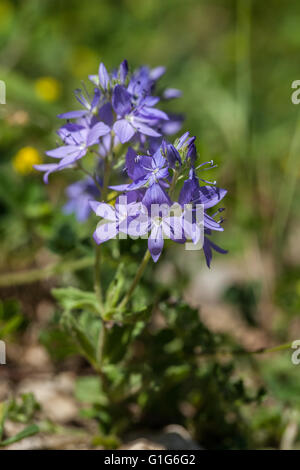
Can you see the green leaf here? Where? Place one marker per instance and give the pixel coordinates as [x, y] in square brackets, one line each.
[57, 342]
[84, 329]
[11, 319]
[88, 390]
[27, 432]
[115, 289]
[119, 339]
[24, 409]
[129, 317]
[70, 298]
[81, 319]
[3, 415]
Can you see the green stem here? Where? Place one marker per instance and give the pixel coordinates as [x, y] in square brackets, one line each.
[281, 347]
[97, 278]
[101, 340]
[173, 183]
[136, 280]
[39, 274]
[90, 175]
[97, 274]
[242, 352]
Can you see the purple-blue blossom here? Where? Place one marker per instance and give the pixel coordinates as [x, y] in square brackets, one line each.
[121, 107]
[151, 179]
[77, 141]
[115, 219]
[209, 196]
[121, 126]
[79, 195]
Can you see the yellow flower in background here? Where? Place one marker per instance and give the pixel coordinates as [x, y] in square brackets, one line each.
[24, 160]
[47, 88]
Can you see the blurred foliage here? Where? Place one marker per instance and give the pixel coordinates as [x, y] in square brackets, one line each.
[245, 297]
[21, 410]
[11, 318]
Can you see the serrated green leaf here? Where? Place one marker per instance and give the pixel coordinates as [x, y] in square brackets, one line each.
[70, 298]
[84, 328]
[115, 290]
[129, 317]
[88, 390]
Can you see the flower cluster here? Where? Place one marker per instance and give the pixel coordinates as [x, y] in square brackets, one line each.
[163, 193]
[151, 208]
[122, 108]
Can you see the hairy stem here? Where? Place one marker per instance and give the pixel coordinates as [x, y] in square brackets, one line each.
[137, 278]
[97, 277]
[242, 352]
[97, 274]
[101, 339]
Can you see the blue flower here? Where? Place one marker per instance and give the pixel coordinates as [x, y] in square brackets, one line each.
[115, 218]
[119, 109]
[90, 105]
[79, 195]
[209, 196]
[131, 118]
[150, 173]
[77, 141]
[123, 108]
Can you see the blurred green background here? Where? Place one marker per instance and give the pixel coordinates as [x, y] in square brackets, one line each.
[235, 61]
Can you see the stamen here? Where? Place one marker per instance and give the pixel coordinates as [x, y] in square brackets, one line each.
[211, 163]
[208, 182]
[82, 100]
[86, 91]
